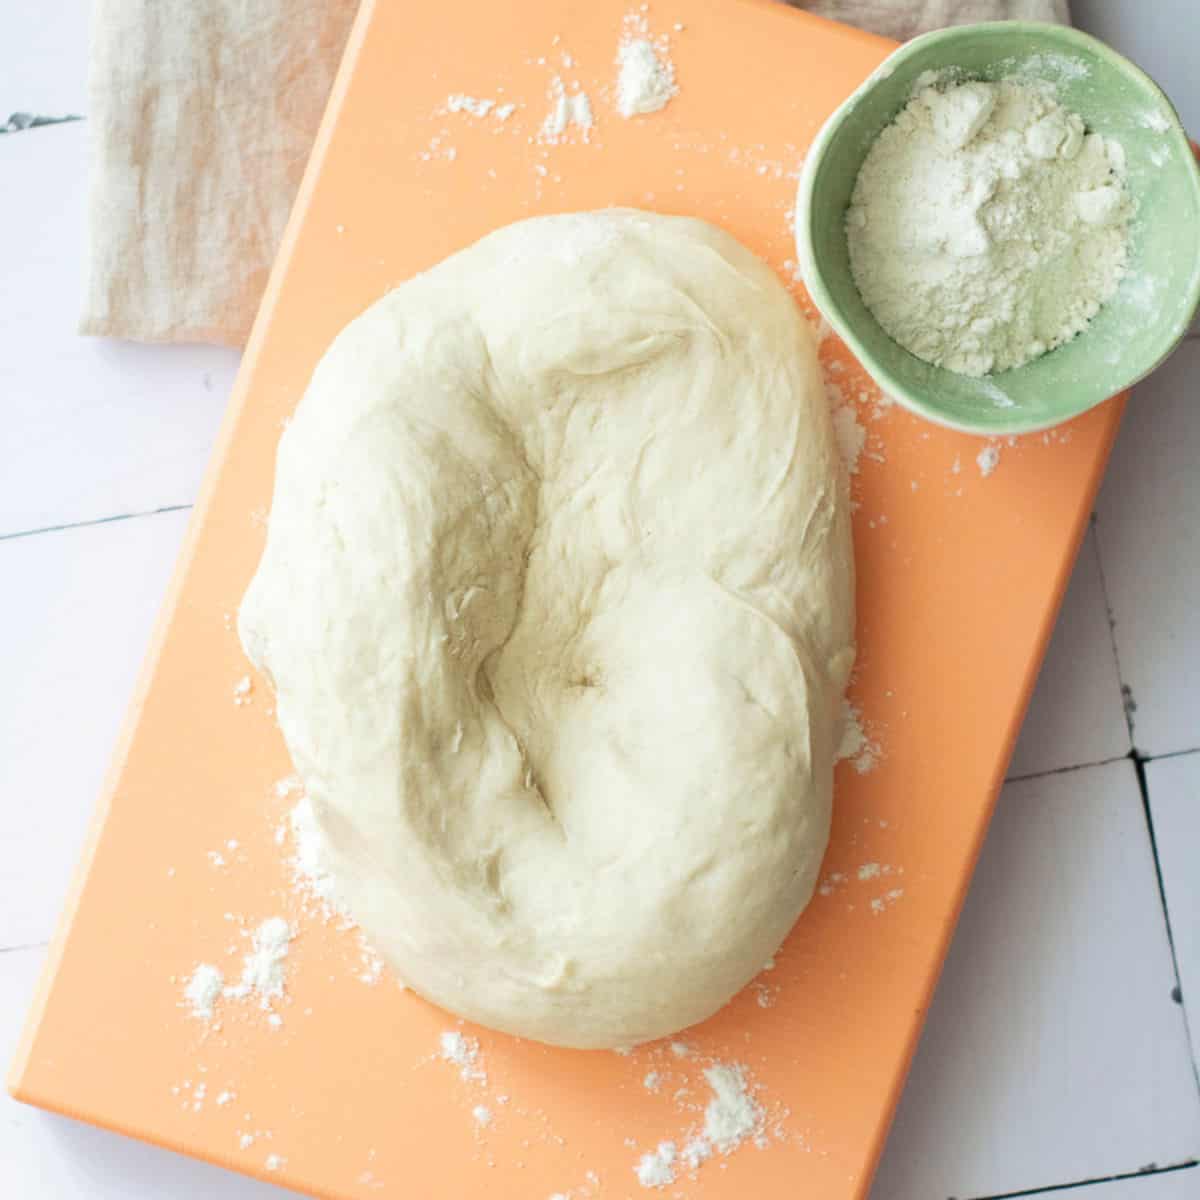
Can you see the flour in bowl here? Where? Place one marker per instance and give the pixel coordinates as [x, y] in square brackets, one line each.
[987, 226]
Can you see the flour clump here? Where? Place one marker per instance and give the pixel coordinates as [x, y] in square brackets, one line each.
[557, 601]
[987, 226]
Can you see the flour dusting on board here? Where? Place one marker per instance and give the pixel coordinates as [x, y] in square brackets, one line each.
[855, 744]
[313, 880]
[645, 82]
[731, 1116]
[463, 1052]
[263, 978]
[988, 459]
[568, 107]
[476, 106]
[203, 990]
[645, 71]
[657, 1169]
[264, 970]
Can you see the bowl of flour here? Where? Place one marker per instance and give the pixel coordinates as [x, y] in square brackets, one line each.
[1003, 223]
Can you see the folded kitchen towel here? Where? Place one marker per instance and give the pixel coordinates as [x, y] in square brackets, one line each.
[202, 113]
[902, 19]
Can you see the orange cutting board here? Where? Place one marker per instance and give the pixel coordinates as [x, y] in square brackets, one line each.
[959, 580]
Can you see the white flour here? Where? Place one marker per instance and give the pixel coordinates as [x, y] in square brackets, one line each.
[988, 459]
[854, 743]
[203, 990]
[463, 1052]
[645, 80]
[314, 883]
[732, 1114]
[986, 226]
[851, 436]
[310, 872]
[880, 903]
[657, 1168]
[566, 109]
[459, 102]
[264, 970]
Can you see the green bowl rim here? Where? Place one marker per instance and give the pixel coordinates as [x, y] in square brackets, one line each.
[815, 282]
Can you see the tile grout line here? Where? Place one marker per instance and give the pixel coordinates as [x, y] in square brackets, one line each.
[1139, 766]
[1067, 769]
[1128, 704]
[20, 122]
[130, 516]
[1139, 761]
[1190, 1165]
[23, 946]
[1169, 754]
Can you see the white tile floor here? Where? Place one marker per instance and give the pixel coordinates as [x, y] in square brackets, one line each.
[1056, 1051]
[1148, 527]
[1174, 788]
[1056, 1003]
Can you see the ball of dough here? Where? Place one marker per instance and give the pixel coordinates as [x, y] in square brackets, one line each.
[557, 599]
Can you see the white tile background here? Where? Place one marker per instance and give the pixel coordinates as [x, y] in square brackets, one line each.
[1056, 1051]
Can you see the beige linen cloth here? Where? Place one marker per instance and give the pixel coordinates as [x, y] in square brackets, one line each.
[202, 113]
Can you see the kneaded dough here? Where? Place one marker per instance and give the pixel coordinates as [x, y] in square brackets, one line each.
[557, 599]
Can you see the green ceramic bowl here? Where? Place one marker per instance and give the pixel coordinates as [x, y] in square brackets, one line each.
[1134, 331]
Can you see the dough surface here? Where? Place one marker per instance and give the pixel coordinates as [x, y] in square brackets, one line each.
[557, 599]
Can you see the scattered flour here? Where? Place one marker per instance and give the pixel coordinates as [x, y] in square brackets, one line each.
[732, 1114]
[645, 79]
[310, 871]
[203, 990]
[855, 744]
[372, 963]
[987, 226]
[566, 109]
[482, 1115]
[987, 460]
[264, 969]
[851, 436]
[290, 785]
[697, 1150]
[849, 432]
[242, 690]
[652, 1081]
[880, 903]
[463, 1052]
[462, 103]
[657, 1169]
[313, 880]
[437, 150]
[831, 881]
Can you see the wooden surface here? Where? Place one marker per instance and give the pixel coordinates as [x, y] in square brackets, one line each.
[1106, 1055]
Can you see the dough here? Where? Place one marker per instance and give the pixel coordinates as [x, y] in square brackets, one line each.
[557, 599]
